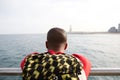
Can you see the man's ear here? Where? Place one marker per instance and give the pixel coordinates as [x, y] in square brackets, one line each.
[66, 45]
[46, 43]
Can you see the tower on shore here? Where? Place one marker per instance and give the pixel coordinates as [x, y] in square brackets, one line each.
[70, 29]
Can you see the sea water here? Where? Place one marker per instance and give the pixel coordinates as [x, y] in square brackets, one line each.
[103, 50]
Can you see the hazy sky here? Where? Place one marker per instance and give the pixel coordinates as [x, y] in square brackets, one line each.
[38, 16]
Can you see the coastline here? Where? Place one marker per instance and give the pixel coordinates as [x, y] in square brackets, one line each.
[92, 33]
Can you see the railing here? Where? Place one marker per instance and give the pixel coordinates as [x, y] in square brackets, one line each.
[94, 72]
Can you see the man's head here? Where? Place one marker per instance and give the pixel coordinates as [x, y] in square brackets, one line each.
[56, 39]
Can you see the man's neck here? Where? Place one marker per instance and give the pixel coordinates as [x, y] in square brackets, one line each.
[56, 51]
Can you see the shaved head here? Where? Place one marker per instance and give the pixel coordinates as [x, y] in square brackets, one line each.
[56, 37]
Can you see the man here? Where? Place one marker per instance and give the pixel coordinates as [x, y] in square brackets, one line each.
[55, 64]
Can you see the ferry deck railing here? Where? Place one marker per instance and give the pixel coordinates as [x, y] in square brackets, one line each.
[94, 72]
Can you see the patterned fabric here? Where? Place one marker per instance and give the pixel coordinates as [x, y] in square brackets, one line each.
[51, 67]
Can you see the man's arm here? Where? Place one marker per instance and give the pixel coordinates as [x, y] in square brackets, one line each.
[86, 63]
[24, 60]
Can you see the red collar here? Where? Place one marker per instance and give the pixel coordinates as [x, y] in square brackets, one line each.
[52, 52]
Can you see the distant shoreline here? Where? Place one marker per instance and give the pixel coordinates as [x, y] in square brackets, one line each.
[92, 33]
[67, 33]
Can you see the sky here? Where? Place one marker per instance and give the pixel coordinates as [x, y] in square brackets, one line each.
[38, 16]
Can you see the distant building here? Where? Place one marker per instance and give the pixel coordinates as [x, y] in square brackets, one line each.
[118, 28]
[112, 29]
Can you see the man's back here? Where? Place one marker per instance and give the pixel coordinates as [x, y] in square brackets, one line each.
[49, 67]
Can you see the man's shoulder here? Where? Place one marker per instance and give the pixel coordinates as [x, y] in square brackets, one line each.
[31, 54]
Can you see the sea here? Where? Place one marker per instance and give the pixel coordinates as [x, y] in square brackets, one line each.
[103, 50]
